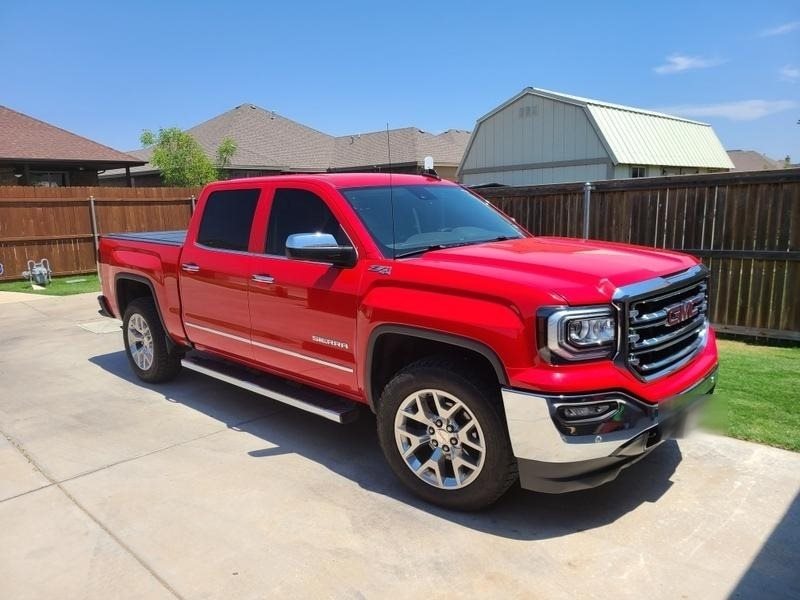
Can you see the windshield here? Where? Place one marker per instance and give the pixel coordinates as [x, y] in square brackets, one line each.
[427, 217]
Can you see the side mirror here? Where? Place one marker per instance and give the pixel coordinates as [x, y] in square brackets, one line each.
[320, 247]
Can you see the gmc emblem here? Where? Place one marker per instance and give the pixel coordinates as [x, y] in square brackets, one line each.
[678, 313]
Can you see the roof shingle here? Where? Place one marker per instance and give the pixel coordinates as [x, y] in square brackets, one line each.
[25, 138]
[750, 160]
[408, 145]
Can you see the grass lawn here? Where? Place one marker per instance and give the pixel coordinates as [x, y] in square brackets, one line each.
[758, 394]
[58, 287]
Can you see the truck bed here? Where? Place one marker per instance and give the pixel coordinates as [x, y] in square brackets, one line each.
[173, 238]
[152, 257]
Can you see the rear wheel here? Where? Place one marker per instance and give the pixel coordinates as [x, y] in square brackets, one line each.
[442, 432]
[150, 356]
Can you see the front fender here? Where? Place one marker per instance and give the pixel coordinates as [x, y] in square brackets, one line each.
[493, 327]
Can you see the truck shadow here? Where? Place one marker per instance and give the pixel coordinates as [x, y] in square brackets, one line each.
[773, 572]
[352, 451]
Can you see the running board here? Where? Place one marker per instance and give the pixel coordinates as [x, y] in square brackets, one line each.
[300, 396]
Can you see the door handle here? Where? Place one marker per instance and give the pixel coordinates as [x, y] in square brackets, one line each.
[190, 267]
[264, 278]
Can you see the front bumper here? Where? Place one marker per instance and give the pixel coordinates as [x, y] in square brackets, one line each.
[556, 455]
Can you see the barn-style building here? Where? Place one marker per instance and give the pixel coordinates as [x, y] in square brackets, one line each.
[539, 137]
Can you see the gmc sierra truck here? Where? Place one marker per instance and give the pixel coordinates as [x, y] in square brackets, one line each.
[487, 354]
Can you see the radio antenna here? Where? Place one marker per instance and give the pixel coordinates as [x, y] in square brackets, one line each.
[391, 195]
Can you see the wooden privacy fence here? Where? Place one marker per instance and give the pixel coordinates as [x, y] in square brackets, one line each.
[744, 226]
[60, 224]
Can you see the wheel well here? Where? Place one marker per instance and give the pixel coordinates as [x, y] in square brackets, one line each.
[129, 290]
[390, 352]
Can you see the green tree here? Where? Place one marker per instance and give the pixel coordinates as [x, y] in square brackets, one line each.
[181, 160]
[225, 153]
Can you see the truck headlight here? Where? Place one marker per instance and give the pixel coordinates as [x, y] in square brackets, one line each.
[579, 333]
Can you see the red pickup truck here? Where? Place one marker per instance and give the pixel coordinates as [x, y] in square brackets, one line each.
[487, 354]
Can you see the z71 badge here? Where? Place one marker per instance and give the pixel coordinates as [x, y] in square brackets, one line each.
[382, 269]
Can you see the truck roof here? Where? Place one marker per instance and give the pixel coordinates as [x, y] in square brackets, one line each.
[345, 180]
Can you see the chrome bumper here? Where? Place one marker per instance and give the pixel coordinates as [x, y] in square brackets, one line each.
[539, 435]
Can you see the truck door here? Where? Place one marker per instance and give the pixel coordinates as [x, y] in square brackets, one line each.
[303, 313]
[215, 272]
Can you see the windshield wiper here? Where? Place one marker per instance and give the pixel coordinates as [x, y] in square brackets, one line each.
[432, 247]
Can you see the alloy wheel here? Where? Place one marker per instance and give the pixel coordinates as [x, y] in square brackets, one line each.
[439, 439]
[140, 342]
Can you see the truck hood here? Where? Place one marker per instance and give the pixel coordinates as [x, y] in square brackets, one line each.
[579, 271]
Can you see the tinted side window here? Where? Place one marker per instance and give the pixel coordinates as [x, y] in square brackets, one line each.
[299, 211]
[227, 219]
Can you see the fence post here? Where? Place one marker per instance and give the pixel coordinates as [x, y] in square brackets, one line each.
[95, 234]
[192, 201]
[587, 197]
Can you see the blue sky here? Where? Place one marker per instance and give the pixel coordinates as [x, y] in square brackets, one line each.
[107, 70]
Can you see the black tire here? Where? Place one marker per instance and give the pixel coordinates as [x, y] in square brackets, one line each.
[482, 399]
[166, 361]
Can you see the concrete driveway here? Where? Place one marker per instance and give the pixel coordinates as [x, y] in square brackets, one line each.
[114, 489]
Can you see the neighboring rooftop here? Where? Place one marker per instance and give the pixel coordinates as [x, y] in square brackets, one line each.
[750, 160]
[27, 140]
[268, 141]
[265, 140]
[408, 145]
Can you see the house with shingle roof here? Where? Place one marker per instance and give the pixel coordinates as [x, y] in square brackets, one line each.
[33, 152]
[408, 147]
[270, 144]
[750, 160]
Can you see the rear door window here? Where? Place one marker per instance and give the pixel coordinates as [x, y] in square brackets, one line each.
[227, 219]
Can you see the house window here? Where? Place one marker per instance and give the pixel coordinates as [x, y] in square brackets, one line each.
[638, 172]
[49, 178]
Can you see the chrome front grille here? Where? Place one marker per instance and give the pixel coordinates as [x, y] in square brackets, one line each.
[665, 322]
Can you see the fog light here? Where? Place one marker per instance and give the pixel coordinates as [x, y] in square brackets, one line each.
[587, 411]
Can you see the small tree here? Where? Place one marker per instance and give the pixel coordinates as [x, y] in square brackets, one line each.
[181, 160]
[225, 152]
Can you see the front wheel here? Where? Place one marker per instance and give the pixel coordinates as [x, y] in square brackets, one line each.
[150, 356]
[443, 434]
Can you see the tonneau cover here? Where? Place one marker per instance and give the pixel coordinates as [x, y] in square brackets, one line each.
[173, 238]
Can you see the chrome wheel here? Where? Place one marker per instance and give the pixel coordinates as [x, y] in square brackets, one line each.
[140, 342]
[439, 439]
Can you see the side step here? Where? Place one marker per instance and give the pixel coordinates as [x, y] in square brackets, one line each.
[300, 396]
